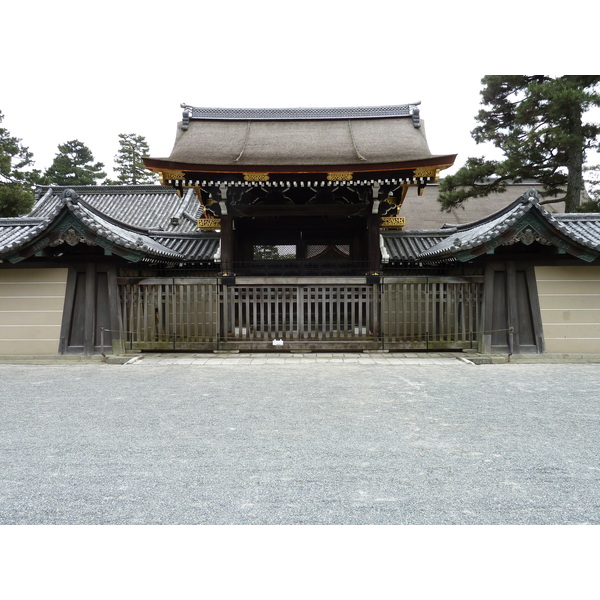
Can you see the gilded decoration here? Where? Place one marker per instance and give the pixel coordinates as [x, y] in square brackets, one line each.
[427, 172]
[256, 177]
[393, 222]
[339, 176]
[209, 223]
[166, 175]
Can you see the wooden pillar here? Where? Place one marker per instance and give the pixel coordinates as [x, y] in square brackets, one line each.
[117, 336]
[373, 249]
[226, 244]
[90, 309]
[487, 306]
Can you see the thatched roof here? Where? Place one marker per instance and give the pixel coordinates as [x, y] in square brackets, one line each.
[352, 137]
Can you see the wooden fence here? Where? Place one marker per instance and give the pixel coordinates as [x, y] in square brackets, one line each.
[431, 313]
[419, 313]
[170, 313]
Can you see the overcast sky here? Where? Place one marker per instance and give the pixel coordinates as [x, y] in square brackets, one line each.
[73, 70]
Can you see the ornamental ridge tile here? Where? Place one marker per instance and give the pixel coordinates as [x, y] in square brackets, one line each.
[280, 114]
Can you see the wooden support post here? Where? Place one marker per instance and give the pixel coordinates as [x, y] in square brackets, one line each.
[226, 243]
[89, 339]
[536, 313]
[512, 302]
[487, 306]
[373, 249]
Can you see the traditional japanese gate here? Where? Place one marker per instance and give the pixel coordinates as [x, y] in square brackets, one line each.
[305, 314]
[418, 313]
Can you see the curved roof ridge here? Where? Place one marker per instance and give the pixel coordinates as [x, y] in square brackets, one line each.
[92, 209]
[530, 197]
[488, 231]
[104, 189]
[138, 239]
[42, 199]
[299, 113]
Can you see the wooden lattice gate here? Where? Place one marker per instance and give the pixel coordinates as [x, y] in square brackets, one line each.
[307, 315]
[418, 313]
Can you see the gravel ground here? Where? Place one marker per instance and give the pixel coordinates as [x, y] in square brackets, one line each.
[300, 444]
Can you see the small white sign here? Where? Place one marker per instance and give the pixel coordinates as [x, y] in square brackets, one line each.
[277, 342]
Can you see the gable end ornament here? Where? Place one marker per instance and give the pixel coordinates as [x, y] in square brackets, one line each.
[527, 236]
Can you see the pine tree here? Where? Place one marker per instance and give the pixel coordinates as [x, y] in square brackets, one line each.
[129, 165]
[538, 123]
[592, 181]
[74, 165]
[17, 178]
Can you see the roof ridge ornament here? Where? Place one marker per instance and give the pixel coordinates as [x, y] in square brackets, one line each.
[531, 196]
[191, 113]
[69, 196]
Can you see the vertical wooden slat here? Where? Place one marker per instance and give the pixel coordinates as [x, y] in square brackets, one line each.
[425, 310]
[300, 312]
[369, 329]
[130, 311]
[450, 323]
[310, 312]
[275, 295]
[197, 313]
[142, 312]
[323, 322]
[372, 308]
[350, 309]
[242, 294]
[262, 313]
[288, 317]
[160, 301]
[395, 310]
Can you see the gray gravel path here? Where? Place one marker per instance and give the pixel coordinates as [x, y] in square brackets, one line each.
[312, 443]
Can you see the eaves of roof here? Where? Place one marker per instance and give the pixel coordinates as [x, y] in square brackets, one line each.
[143, 206]
[134, 243]
[409, 246]
[465, 242]
[299, 140]
[72, 212]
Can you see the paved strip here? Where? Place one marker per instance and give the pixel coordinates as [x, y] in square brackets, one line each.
[167, 359]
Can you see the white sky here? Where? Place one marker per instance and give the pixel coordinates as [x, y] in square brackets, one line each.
[73, 70]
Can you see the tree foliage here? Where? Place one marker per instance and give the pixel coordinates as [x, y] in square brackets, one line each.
[591, 176]
[16, 175]
[74, 165]
[129, 165]
[538, 123]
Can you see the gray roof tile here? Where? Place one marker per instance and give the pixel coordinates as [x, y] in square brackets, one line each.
[149, 207]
